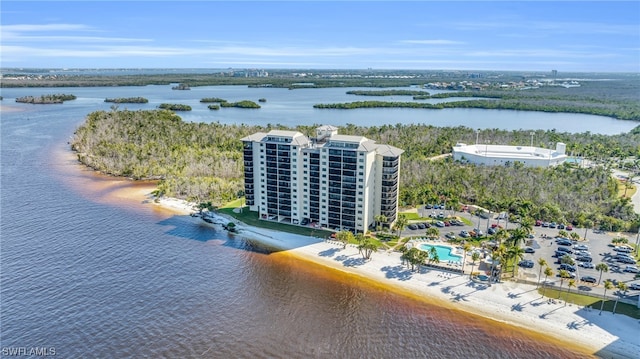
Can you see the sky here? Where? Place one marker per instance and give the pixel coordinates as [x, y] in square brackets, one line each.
[572, 36]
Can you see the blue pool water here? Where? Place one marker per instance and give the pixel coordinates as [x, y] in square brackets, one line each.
[444, 252]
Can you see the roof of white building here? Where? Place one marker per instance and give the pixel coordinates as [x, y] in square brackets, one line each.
[502, 151]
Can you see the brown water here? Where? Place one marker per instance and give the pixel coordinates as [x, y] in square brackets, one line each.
[91, 269]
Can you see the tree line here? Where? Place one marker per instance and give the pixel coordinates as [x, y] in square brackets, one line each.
[203, 162]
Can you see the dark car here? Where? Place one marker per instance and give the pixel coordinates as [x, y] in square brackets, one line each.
[588, 279]
[564, 243]
[412, 226]
[564, 249]
[491, 230]
[304, 221]
[567, 267]
[529, 250]
[527, 263]
[421, 225]
[584, 259]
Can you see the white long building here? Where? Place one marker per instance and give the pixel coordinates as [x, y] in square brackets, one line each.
[335, 181]
[499, 155]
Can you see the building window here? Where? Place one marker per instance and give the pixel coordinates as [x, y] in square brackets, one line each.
[361, 160]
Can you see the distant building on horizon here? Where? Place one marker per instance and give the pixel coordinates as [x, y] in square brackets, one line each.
[499, 155]
[333, 181]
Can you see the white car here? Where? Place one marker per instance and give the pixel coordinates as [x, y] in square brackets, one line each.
[631, 269]
[586, 265]
[634, 286]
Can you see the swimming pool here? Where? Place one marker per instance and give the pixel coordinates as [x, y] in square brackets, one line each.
[444, 252]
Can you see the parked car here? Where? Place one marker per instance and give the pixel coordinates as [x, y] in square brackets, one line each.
[567, 267]
[583, 254]
[569, 228]
[304, 221]
[538, 223]
[588, 265]
[440, 224]
[421, 226]
[529, 250]
[553, 225]
[564, 242]
[627, 260]
[564, 249]
[561, 226]
[491, 230]
[451, 236]
[623, 249]
[464, 234]
[413, 226]
[631, 269]
[588, 279]
[581, 247]
[634, 286]
[584, 259]
[527, 263]
[569, 275]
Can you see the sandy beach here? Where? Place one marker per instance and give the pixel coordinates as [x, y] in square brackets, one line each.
[606, 335]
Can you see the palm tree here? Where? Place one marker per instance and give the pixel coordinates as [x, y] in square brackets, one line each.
[571, 283]
[607, 286]
[515, 253]
[465, 249]
[563, 275]
[432, 254]
[541, 262]
[345, 237]
[433, 233]
[517, 235]
[526, 224]
[501, 234]
[401, 222]
[601, 267]
[622, 290]
[575, 236]
[474, 257]
[547, 272]
[366, 247]
[380, 218]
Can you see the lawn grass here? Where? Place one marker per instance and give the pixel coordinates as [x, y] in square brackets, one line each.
[412, 216]
[251, 218]
[582, 300]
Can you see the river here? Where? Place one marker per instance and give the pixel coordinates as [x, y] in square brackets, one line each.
[90, 269]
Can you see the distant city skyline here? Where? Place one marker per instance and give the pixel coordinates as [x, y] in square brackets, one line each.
[568, 36]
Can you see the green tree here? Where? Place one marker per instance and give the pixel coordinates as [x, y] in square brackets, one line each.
[622, 290]
[401, 222]
[515, 253]
[367, 247]
[474, 258]
[570, 284]
[433, 233]
[563, 275]
[547, 272]
[541, 262]
[608, 285]
[465, 248]
[345, 237]
[380, 219]
[601, 267]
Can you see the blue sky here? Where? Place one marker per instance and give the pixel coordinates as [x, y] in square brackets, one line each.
[478, 35]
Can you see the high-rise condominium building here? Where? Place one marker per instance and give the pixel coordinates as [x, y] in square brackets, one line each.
[333, 181]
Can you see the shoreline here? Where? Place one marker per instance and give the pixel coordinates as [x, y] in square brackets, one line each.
[515, 304]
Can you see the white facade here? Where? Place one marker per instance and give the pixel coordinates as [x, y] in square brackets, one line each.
[498, 155]
[333, 180]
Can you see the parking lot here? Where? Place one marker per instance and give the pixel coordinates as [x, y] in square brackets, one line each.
[544, 245]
